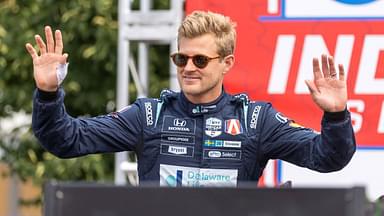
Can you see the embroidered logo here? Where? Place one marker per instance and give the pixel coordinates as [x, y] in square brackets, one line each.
[233, 127]
[255, 116]
[148, 113]
[213, 127]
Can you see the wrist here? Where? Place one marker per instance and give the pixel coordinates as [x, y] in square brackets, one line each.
[47, 88]
[47, 95]
[336, 116]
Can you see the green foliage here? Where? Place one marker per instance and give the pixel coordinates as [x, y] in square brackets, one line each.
[89, 32]
[89, 29]
[28, 161]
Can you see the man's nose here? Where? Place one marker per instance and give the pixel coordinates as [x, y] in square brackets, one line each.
[190, 66]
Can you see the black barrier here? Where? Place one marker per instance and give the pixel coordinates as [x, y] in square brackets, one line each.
[80, 199]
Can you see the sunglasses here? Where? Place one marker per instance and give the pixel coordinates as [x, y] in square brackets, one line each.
[200, 61]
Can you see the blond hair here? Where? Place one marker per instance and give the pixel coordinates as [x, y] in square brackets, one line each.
[222, 27]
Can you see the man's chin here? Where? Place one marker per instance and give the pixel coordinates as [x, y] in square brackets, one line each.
[190, 86]
[191, 90]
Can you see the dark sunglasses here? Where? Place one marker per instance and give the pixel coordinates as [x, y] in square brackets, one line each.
[200, 61]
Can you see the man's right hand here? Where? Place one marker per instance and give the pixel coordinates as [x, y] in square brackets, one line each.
[46, 64]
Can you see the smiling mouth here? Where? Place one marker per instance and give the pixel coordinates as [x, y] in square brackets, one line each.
[190, 78]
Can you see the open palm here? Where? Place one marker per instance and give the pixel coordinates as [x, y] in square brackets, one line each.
[328, 90]
[45, 64]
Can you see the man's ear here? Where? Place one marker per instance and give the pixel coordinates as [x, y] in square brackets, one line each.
[229, 61]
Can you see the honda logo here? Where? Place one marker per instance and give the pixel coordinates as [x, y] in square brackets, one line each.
[179, 122]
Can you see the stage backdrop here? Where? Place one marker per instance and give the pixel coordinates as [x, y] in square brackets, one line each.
[276, 42]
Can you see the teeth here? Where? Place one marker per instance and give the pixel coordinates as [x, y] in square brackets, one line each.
[188, 77]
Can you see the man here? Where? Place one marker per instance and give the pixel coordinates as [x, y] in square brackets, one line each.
[201, 136]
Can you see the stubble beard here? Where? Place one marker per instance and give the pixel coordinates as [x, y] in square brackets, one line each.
[199, 92]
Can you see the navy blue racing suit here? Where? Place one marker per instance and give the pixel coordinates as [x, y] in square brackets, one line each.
[179, 143]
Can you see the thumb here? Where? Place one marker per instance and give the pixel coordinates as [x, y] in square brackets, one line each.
[311, 86]
[63, 58]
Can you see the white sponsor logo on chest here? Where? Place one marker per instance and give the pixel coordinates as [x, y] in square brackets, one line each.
[173, 176]
[177, 150]
[213, 127]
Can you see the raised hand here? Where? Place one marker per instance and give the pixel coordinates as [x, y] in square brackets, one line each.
[328, 90]
[46, 64]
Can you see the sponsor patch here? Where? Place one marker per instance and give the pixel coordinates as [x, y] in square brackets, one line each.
[213, 127]
[148, 113]
[179, 125]
[176, 150]
[222, 143]
[232, 144]
[254, 117]
[233, 127]
[222, 154]
[180, 139]
[213, 143]
[214, 154]
[203, 109]
[174, 176]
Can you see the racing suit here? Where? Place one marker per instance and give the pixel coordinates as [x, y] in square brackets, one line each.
[179, 143]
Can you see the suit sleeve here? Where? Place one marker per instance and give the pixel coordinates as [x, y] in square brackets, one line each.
[67, 137]
[330, 150]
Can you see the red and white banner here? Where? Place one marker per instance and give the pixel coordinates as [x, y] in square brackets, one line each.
[277, 40]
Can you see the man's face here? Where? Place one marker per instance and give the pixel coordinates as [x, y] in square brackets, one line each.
[202, 85]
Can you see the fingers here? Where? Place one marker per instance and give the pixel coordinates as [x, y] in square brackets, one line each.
[316, 69]
[341, 72]
[59, 42]
[31, 50]
[332, 70]
[52, 46]
[328, 68]
[40, 43]
[49, 38]
[324, 65]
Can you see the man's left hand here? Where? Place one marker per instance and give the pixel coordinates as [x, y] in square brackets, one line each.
[328, 89]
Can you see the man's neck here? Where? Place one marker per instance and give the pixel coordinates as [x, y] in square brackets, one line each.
[204, 99]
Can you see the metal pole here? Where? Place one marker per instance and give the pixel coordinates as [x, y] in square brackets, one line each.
[122, 81]
[145, 7]
[177, 6]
